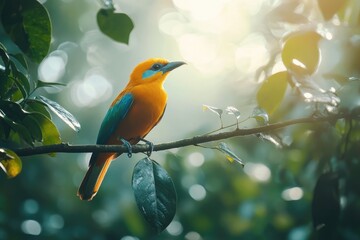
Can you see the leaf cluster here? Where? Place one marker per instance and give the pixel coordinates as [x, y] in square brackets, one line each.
[24, 119]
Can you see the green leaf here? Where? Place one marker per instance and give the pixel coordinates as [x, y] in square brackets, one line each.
[10, 162]
[61, 112]
[13, 115]
[230, 155]
[28, 24]
[21, 81]
[40, 84]
[35, 106]
[50, 134]
[301, 53]
[272, 92]
[32, 125]
[155, 193]
[117, 26]
[21, 59]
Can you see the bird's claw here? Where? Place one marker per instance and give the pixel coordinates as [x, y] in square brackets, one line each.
[128, 147]
[151, 146]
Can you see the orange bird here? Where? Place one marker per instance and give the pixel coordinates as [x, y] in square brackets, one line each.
[131, 116]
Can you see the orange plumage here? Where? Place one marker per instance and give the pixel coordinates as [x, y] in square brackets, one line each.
[131, 116]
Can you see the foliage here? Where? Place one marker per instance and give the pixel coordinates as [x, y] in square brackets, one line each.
[242, 202]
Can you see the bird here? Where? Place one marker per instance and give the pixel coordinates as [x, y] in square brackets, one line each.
[136, 110]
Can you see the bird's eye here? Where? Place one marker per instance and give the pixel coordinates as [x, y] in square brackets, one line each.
[156, 66]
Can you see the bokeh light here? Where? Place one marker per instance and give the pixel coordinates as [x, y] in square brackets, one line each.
[292, 194]
[31, 227]
[52, 68]
[258, 171]
[197, 192]
[175, 228]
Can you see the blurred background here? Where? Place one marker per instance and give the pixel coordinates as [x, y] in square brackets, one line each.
[225, 43]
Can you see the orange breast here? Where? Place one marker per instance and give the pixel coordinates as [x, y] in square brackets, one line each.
[147, 109]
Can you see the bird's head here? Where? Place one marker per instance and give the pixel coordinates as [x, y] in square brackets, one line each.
[152, 70]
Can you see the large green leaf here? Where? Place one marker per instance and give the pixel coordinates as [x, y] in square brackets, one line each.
[50, 134]
[28, 24]
[301, 53]
[155, 193]
[117, 26]
[272, 92]
[10, 162]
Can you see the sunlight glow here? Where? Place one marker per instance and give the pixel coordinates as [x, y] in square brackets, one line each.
[292, 194]
[197, 48]
[52, 68]
[251, 54]
[94, 89]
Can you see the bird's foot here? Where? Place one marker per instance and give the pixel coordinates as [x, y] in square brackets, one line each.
[151, 146]
[128, 147]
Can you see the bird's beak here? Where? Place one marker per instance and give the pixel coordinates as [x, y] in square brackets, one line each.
[171, 66]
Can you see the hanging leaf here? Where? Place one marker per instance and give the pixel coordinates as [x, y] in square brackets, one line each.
[326, 205]
[117, 26]
[28, 24]
[301, 52]
[61, 112]
[155, 193]
[10, 162]
[272, 92]
[230, 155]
[215, 110]
[261, 117]
[233, 111]
[272, 138]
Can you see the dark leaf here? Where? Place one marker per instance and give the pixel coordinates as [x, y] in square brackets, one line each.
[326, 205]
[155, 193]
[20, 58]
[61, 112]
[36, 106]
[28, 24]
[32, 125]
[20, 80]
[117, 26]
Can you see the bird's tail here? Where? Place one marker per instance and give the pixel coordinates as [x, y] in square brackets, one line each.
[95, 175]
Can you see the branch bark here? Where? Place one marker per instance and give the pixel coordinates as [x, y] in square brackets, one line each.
[65, 147]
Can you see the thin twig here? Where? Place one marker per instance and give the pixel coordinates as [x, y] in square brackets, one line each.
[65, 147]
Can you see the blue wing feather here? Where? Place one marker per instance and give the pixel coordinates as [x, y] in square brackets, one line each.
[113, 117]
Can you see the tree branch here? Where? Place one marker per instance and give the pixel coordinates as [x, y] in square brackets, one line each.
[65, 147]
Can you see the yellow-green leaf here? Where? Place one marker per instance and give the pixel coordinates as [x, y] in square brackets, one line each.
[272, 92]
[301, 52]
[10, 162]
